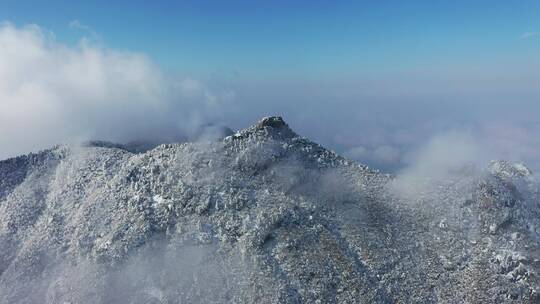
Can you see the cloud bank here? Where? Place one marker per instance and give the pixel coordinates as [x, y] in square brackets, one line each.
[52, 93]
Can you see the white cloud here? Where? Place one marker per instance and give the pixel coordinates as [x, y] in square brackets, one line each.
[52, 93]
[444, 154]
[78, 25]
[528, 35]
[438, 160]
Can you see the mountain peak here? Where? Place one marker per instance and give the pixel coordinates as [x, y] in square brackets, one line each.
[273, 126]
[272, 121]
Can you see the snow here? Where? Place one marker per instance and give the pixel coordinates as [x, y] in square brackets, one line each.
[267, 216]
[158, 199]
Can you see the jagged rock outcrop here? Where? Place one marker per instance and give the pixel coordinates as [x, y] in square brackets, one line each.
[261, 216]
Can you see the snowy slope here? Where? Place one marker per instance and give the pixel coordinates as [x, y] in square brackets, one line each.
[261, 216]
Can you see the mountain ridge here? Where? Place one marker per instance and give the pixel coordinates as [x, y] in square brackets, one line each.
[262, 215]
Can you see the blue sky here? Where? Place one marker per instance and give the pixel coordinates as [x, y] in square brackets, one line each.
[298, 38]
[374, 80]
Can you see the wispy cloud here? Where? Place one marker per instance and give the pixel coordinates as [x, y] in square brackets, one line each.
[528, 35]
[87, 30]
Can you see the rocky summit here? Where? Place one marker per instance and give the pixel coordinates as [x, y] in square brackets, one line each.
[260, 216]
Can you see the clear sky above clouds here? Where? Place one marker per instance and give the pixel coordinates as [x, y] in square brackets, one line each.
[299, 38]
[375, 80]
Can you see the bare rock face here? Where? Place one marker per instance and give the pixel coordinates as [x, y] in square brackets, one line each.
[260, 216]
[273, 122]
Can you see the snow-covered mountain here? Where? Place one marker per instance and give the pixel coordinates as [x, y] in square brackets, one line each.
[260, 216]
